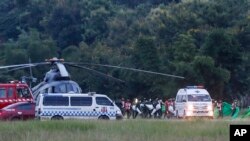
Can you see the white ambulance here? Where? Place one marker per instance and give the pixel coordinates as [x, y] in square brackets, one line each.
[193, 101]
[76, 106]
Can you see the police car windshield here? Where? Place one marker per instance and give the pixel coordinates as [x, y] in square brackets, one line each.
[199, 98]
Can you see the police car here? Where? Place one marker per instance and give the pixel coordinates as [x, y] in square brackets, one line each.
[76, 106]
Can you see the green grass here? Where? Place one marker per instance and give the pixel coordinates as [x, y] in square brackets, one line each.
[125, 130]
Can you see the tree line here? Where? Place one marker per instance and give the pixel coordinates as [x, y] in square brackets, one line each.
[205, 41]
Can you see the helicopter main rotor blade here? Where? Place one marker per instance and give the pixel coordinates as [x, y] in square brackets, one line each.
[13, 66]
[17, 68]
[97, 72]
[23, 65]
[127, 68]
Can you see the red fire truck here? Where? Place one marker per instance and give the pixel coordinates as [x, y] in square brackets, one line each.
[14, 92]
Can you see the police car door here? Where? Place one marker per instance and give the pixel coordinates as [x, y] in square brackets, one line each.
[104, 107]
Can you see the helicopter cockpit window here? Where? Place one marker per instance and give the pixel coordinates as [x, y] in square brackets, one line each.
[71, 88]
[64, 88]
[59, 88]
[2, 93]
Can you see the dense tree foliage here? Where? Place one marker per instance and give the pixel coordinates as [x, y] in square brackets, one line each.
[205, 41]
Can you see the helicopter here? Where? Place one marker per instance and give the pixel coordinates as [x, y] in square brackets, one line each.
[57, 79]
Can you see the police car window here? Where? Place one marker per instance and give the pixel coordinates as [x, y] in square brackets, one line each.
[10, 93]
[103, 101]
[55, 101]
[2, 93]
[24, 107]
[81, 101]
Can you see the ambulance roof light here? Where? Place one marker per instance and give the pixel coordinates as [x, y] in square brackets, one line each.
[195, 87]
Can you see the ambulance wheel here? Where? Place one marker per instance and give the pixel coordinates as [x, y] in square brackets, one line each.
[184, 115]
[57, 118]
[177, 114]
[103, 117]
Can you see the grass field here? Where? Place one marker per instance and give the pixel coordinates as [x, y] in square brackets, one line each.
[125, 130]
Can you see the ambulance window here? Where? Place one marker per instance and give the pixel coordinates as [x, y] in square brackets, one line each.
[179, 98]
[2, 93]
[103, 101]
[55, 101]
[184, 98]
[10, 93]
[81, 101]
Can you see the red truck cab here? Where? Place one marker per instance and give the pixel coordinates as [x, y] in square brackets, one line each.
[14, 92]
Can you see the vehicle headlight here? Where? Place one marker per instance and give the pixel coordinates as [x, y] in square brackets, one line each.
[190, 107]
[209, 107]
[118, 112]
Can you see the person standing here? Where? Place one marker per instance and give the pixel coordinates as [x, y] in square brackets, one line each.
[166, 107]
[128, 108]
[123, 106]
[219, 106]
[234, 105]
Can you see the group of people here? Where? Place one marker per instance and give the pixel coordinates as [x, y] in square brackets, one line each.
[158, 108]
[147, 108]
[219, 106]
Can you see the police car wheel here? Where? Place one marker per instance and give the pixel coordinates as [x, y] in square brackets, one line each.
[57, 118]
[103, 117]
